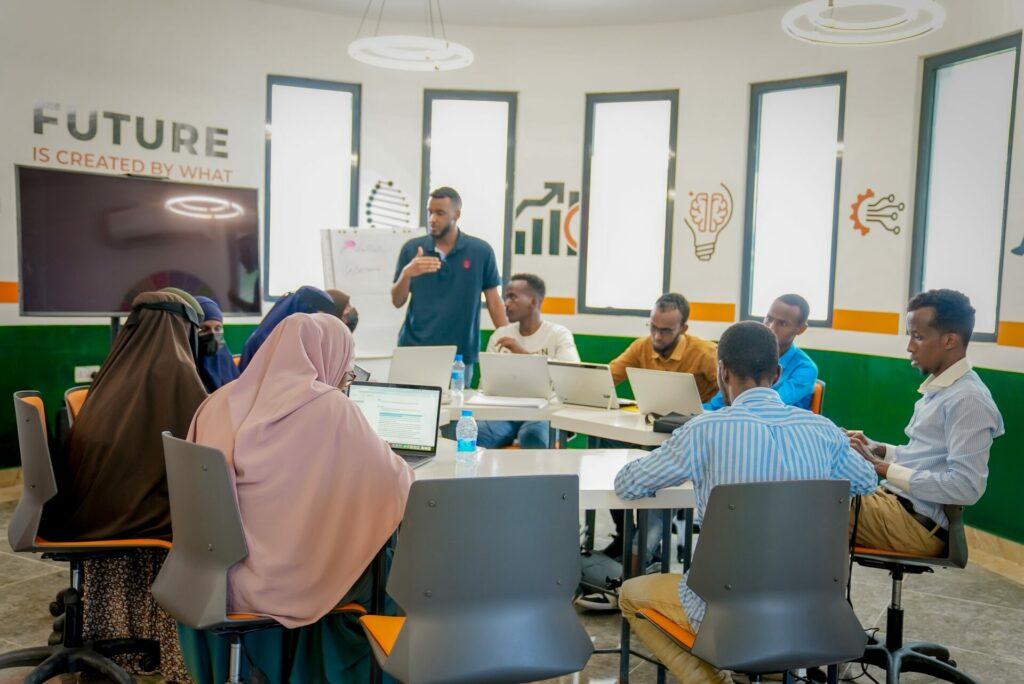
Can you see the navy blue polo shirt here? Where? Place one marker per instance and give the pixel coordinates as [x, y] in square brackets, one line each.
[444, 307]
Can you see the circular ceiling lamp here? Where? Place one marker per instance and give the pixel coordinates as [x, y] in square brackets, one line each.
[428, 52]
[862, 22]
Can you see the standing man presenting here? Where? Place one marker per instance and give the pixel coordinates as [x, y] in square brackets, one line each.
[445, 272]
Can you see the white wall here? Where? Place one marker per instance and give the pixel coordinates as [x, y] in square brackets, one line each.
[206, 63]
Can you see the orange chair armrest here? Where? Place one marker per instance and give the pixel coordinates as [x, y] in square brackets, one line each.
[673, 630]
[43, 544]
[868, 551]
[383, 629]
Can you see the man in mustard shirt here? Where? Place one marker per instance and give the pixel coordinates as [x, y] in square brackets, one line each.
[667, 348]
[670, 348]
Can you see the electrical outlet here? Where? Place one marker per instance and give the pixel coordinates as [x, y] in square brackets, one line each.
[84, 374]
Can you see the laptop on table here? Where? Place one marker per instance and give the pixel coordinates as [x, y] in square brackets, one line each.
[515, 375]
[405, 416]
[585, 384]
[426, 366]
[660, 393]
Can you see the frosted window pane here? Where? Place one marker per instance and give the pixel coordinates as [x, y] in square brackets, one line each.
[469, 152]
[310, 180]
[967, 184]
[628, 200]
[795, 195]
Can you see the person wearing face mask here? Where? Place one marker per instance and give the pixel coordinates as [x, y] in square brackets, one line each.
[344, 310]
[216, 365]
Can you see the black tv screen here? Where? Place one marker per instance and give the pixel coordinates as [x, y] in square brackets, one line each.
[90, 243]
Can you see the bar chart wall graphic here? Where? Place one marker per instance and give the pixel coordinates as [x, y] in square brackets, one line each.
[543, 224]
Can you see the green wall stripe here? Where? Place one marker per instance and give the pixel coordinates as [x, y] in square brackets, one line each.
[873, 393]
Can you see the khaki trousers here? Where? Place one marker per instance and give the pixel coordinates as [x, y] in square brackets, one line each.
[661, 592]
[885, 524]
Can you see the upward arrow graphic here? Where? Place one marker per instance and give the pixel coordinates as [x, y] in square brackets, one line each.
[555, 190]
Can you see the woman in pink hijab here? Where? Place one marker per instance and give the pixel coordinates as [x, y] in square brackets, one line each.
[319, 493]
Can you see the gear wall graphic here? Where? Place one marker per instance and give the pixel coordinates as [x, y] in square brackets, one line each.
[885, 212]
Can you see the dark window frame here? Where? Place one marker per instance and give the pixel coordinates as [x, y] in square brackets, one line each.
[922, 188]
[757, 90]
[592, 100]
[314, 84]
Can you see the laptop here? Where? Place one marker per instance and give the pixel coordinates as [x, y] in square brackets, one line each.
[664, 392]
[584, 384]
[426, 366]
[405, 416]
[515, 375]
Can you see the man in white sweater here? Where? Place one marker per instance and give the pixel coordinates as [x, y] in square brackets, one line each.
[526, 333]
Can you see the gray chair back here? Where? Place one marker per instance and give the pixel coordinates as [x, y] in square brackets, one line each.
[772, 563]
[485, 569]
[208, 537]
[39, 483]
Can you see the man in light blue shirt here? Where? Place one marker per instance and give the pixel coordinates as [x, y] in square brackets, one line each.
[756, 438]
[950, 434]
[787, 318]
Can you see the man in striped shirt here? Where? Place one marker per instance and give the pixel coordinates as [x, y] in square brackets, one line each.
[950, 433]
[755, 438]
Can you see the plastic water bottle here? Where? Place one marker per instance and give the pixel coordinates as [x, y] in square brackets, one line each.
[458, 382]
[465, 433]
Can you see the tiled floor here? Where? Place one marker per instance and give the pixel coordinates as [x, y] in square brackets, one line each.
[977, 613]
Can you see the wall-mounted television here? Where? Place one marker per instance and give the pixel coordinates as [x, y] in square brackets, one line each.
[89, 243]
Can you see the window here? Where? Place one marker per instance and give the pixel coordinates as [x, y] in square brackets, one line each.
[629, 169]
[312, 176]
[469, 143]
[792, 209]
[963, 174]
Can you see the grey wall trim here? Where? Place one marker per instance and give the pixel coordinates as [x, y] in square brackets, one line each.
[508, 97]
[753, 147]
[932, 65]
[356, 90]
[593, 99]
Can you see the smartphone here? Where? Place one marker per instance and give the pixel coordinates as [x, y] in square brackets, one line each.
[432, 253]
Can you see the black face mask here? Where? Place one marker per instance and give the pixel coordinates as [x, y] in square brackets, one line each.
[210, 343]
[351, 319]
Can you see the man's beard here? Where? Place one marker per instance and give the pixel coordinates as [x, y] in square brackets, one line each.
[444, 232]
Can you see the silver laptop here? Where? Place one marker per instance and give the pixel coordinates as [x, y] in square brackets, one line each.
[428, 366]
[584, 384]
[664, 392]
[515, 375]
[405, 416]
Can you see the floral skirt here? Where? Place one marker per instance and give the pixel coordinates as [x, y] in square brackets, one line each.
[119, 605]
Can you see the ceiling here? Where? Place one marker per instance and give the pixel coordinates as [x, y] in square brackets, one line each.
[540, 13]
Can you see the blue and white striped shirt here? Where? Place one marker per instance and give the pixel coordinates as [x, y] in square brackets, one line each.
[757, 439]
[951, 432]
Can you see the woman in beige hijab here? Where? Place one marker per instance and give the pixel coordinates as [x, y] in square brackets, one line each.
[319, 492]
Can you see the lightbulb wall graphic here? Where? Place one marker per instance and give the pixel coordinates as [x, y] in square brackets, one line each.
[387, 207]
[708, 215]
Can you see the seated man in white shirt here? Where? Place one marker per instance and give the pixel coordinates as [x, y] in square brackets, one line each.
[950, 433]
[526, 334]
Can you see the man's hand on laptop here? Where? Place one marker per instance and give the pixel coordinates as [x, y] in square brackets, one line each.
[872, 451]
[509, 344]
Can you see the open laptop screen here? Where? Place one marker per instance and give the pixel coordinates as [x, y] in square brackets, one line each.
[405, 416]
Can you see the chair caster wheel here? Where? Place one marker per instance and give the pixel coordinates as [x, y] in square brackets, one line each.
[55, 639]
[951, 662]
[56, 608]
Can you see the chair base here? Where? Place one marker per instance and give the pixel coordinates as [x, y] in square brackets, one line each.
[92, 657]
[922, 656]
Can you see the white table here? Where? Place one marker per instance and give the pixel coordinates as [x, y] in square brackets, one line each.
[624, 426]
[450, 413]
[596, 469]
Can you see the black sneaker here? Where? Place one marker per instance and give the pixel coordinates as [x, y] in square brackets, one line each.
[614, 549]
[598, 601]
